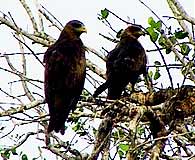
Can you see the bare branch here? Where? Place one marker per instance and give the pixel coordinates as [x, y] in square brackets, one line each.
[29, 12]
[21, 108]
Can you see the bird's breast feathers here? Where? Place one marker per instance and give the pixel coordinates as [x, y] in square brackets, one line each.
[66, 64]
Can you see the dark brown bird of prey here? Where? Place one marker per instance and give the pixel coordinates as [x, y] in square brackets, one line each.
[65, 70]
[124, 64]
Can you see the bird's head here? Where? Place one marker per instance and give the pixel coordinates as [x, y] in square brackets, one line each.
[134, 31]
[75, 28]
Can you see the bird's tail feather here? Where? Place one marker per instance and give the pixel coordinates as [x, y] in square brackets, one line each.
[59, 113]
[56, 123]
[101, 88]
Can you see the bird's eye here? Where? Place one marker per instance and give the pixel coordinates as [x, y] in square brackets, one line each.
[76, 25]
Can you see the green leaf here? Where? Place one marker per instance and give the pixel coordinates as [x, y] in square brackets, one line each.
[124, 147]
[76, 127]
[85, 93]
[157, 63]
[168, 50]
[120, 153]
[151, 22]
[150, 74]
[24, 157]
[94, 130]
[14, 151]
[173, 39]
[158, 26]
[6, 154]
[140, 130]
[157, 74]
[181, 34]
[162, 41]
[153, 34]
[21, 153]
[193, 70]
[185, 49]
[104, 13]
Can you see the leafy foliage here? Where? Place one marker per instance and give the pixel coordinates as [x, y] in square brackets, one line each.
[104, 13]
[180, 34]
[24, 157]
[154, 29]
[185, 49]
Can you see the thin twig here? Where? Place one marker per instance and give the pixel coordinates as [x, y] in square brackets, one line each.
[52, 16]
[153, 13]
[108, 38]
[50, 20]
[168, 72]
[2, 55]
[118, 17]
[33, 53]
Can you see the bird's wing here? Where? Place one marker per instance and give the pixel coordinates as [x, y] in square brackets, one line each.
[129, 56]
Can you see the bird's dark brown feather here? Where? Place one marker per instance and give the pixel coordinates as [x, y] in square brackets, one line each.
[64, 77]
[124, 64]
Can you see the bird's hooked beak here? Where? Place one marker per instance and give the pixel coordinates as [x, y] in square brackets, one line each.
[82, 29]
[141, 33]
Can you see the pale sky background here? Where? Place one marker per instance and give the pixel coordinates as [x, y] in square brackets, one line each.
[85, 11]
